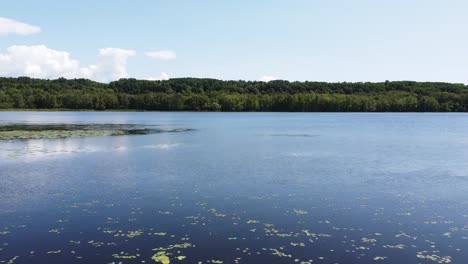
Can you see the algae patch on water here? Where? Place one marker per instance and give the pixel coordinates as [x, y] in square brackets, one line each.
[161, 257]
[53, 131]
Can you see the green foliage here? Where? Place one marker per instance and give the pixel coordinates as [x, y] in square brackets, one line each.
[190, 94]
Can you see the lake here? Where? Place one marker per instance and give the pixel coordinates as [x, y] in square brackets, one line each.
[238, 188]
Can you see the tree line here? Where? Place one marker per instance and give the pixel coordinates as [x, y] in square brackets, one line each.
[192, 94]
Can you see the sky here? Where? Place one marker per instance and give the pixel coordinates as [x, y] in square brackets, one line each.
[296, 40]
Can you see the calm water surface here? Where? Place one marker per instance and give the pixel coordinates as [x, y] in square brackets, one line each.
[241, 188]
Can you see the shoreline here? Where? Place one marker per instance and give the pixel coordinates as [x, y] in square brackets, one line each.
[188, 111]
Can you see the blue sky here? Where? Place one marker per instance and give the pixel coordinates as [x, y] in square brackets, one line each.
[321, 40]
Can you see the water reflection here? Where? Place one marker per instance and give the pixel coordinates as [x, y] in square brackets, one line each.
[361, 192]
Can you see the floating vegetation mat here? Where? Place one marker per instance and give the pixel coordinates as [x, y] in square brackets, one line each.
[27, 131]
[195, 228]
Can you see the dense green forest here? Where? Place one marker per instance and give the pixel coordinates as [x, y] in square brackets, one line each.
[191, 94]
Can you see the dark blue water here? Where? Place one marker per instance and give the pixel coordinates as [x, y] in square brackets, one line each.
[241, 188]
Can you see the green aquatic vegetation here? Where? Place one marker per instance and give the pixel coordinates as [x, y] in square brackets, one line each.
[300, 212]
[124, 255]
[362, 248]
[12, 261]
[100, 244]
[314, 235]
[165, 212]
[51, 134]
[158, 234]
[405, 214]
[434, 257]
[170, 247]
[161, 257]
[297, 244]
[96, 244]
[132, 234]
[403, 234]
[379, 258]
[54, 252]
[368, 240]
[214, 212]
[290, 248]
[278, 253]
[56, 231]
[34, 131]
[216, 261]
[284, 235]
[271, 232]
[399, 246]
[109, 231]
[4, 233]
[183, 245]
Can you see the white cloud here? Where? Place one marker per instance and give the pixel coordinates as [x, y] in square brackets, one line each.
[112, 64]
[162, 54]
[43, 62]
[10, 26]
[37, 61]
[267, 78]
[162, 77]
